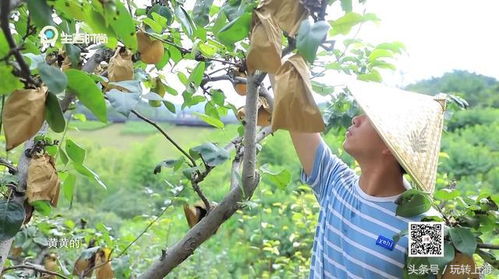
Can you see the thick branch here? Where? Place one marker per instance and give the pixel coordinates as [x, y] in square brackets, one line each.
[210, 223]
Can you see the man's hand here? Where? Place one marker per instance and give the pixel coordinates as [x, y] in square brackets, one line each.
[305, 145]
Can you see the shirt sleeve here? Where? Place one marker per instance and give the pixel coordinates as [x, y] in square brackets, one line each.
[326, 170]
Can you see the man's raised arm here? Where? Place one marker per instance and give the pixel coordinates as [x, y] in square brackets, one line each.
[305, 145]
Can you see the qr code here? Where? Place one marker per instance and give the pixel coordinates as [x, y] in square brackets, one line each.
[426, 239]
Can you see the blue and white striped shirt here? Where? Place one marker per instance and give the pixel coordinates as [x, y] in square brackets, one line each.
[350, 223]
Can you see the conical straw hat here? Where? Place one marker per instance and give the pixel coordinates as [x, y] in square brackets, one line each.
[409, 123]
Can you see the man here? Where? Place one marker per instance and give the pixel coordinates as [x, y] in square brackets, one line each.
[399, 131]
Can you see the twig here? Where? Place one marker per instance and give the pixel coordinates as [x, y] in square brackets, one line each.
[33, 267]
[487, 246]
[12, 169]
[4, 22]
[322, 13]
[193, 163]
[202, 196]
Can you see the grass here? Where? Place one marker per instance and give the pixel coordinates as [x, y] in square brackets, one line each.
[88, 125]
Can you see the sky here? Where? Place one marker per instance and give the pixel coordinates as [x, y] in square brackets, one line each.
[440, 35]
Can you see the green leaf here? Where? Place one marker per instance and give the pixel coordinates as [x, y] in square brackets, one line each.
[74, 54]
[34, 60]
[183, 78]
[175, 53]
[63, 156]
[40, 13]
[344, 24]
[321, 88]
[377, 53]
[68, 187]
[396, 237]
[449, 254]
[212, 154]
[446, 194]
[9, 82]
[210, 120]
[43, 207]
[4, 46]
[280, 179]
[123, 102]
[197, 74]
[189, 171]
[171, 163]
[163, 11]
[185, 20]
[11, 218]
[463, 240]
[396, 47]
[53, 113]
[164, 60]
[55, 80]
[75, 152]
[346, 5]
[159, 19]
[201, 12]
[87, 92]
[412, 203]
[170, 106]
[235, 30]
[373, 75]
[133, 86]
[156, 27]
[218, 97]
[207, 49]
[310, 37]
[124, 26]
[82, 169]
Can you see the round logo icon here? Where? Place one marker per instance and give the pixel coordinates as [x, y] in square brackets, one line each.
[49, 35]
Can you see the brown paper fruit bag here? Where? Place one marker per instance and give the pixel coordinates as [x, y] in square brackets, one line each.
[23, 115]
[265, 44]
[120, 65]
[287, 13]
[43, 182]
[294, 106]
[151, 50]
[264, 116]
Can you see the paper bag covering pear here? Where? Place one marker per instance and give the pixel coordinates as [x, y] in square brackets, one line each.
[264, 115]
[294, 106]
[23, 115]
[151, 50]
[287, 13]
[43, 182]
[265, 44]
[121, 65]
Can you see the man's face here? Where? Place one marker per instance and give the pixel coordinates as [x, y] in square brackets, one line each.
[362, 141]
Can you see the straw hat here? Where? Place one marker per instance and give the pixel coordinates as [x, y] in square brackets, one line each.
[409, 123]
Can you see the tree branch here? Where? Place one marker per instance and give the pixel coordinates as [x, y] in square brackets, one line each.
[12, 169]
[229, 205]
[4, 23]
[193, 163]
[34, 267]
[487, 246]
